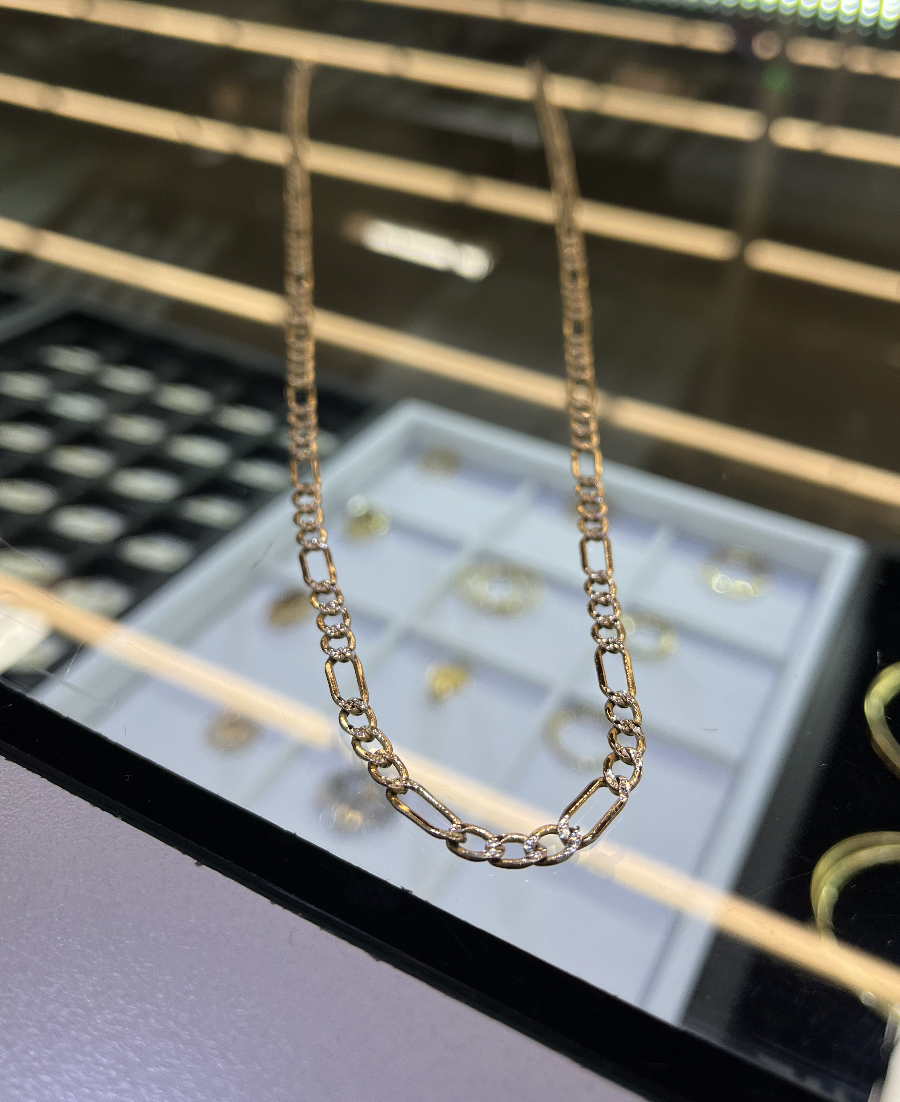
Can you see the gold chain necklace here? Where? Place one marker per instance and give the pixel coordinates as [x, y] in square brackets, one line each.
[367, 740]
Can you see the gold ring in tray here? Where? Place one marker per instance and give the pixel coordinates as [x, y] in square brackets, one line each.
[736, 573]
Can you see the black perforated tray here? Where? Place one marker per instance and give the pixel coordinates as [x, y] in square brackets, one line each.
[231, 373]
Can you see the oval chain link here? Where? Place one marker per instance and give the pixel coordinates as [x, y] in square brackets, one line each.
[316, 563]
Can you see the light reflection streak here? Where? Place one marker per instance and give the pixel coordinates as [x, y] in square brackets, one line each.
[416, 246]
[431, 181]
[524, 384]
[589, 18]
[373, 169]
[406, 63]
[757, 926]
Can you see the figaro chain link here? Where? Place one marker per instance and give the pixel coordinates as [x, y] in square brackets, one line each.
[355, 713]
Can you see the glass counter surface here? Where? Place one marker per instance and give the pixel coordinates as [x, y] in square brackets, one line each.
[738, 171]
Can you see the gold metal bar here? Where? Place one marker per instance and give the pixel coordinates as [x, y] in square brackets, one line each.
[151, 656]
[138, 271]
[442, 184]
[836, 141]
[826, 271]
[818, 53]
[629, 414]
[598, 19]
[753, 449]
[766, 930]
[749, 922]
[423, 66]
[373, 169]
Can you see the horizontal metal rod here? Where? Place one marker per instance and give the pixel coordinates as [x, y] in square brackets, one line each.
[373, 169]
[824, 53]
[678, 112]
[423, 66]
[584, 18]
[827, 271]
[836, 141]
[629, 414]
[442, 184]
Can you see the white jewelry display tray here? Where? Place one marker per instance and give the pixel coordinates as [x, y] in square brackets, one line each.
[720, 713]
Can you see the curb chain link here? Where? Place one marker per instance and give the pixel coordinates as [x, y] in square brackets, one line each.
[355, 713]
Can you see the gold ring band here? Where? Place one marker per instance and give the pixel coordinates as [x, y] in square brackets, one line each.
[554, 730]
[351, 802]
[499, 588]
[736, 573]
[446, 679]
[879, 694]
[835, 869]
[650, 637]
[230, 733]
[365, 521]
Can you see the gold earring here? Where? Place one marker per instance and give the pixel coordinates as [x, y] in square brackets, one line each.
[351, 803]
[290, 608]
[499, 588]
[554, 732]
[737, 573]
[365, 521]
[230, 732]
[440, 461]
[649, 637]
[446, 679]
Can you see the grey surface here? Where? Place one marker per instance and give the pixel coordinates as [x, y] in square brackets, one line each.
[132, 973]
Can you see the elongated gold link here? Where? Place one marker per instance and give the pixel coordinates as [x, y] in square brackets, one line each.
[355, 713]
[587, 470]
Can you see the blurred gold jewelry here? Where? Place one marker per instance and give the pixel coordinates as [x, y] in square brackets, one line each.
[555, 728]
[446, 679]
[231, 732]
[737, 573]
[878, 695]
[835, 869]
[499, 588]
[440, 461]
[364, 521]
[290, 608]
[352, 803]
[650, 637]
